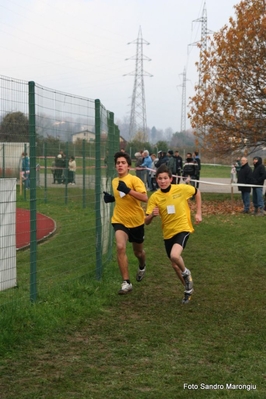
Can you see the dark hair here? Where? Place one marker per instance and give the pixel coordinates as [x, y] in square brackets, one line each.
[121, 154]
[163, 169]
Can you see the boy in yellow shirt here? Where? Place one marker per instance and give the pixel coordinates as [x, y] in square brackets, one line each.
[171, 203]
[128, 218]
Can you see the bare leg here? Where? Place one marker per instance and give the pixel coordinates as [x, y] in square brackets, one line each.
[121, 243]
[139, 253]
[177, 261]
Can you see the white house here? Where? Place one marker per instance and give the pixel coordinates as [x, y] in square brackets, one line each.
[84, 135]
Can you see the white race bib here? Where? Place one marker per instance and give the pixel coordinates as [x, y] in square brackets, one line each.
[170, 209]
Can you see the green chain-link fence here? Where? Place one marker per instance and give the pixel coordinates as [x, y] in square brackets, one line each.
[41, 132]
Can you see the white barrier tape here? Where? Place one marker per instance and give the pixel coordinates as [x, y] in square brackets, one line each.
[206, 182]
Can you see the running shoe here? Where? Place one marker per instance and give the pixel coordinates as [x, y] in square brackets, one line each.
[125, 288]
[140, 274]
[188, 282]
[187, 298]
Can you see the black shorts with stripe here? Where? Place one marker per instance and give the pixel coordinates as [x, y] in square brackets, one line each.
[179, 238]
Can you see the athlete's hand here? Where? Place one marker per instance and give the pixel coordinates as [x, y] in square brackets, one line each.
[108, 197]
[123, 187]
[155, 211]
[198, 218]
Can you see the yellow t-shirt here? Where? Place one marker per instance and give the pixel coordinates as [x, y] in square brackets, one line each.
[173, 208]
[128, 210]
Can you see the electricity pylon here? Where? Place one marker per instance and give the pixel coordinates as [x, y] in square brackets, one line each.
[204, 33]
[183, 105]
[203, 42]
[138, 122]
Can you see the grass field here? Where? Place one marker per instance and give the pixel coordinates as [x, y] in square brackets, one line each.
[219, 171]
[84, 341]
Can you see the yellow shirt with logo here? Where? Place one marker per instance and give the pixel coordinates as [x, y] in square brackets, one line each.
[128, 210]
[174, 209]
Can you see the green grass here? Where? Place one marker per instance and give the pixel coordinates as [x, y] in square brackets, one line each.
[84, 341]
[215, 171]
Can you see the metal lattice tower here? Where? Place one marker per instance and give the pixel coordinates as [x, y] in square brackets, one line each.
[183, 105]
[138, 122]
[204, 32]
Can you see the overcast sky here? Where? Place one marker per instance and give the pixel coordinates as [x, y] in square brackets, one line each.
[80, 47]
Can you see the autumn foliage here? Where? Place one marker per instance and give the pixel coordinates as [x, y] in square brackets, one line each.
[228, 111]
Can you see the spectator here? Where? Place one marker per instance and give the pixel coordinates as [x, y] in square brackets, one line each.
[59, 162]
[147, 162]
[197, 159]
[72, 166]
[238, 165]
[258, 176]
[233, 173]
[64, 166]
[190, 170]
[139, 160]
[179, 166]
[53, 170]
[25, 167]
[244, 176]
[153, 173]
[162, 158]
[171, 163]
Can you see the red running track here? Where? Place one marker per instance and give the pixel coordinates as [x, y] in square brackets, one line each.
[45, 227]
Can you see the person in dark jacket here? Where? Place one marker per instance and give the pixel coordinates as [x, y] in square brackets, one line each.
[162, 158]
[179, 166]
[190, 170]
[244, 176]
[197, 159]
[258, 176]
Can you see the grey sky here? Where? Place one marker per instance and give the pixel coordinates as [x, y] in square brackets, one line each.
[80, 47]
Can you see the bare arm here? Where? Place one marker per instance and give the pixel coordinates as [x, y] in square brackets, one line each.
[149, 218]
[198, 216]
[139, 196]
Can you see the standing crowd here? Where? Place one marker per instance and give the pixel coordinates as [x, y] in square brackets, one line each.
[188, 171]
[63, 171]
[248, 180]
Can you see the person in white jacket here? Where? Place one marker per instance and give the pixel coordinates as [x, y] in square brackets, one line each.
[72, 167]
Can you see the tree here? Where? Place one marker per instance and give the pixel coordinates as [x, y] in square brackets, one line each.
[228, 110]
[162, 145]
[14, 128]
[183, 140]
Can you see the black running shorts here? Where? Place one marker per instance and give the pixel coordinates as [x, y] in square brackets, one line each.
[180, 238]
[135, 234]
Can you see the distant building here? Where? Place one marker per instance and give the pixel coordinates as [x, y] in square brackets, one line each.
[89, 136]
[84, 135]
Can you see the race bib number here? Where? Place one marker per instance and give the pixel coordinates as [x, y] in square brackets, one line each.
[170, 209]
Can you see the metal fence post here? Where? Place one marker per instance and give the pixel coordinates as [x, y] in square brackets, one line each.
[33, 202]
[84, 173]
[4, 166]
[98, 223]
